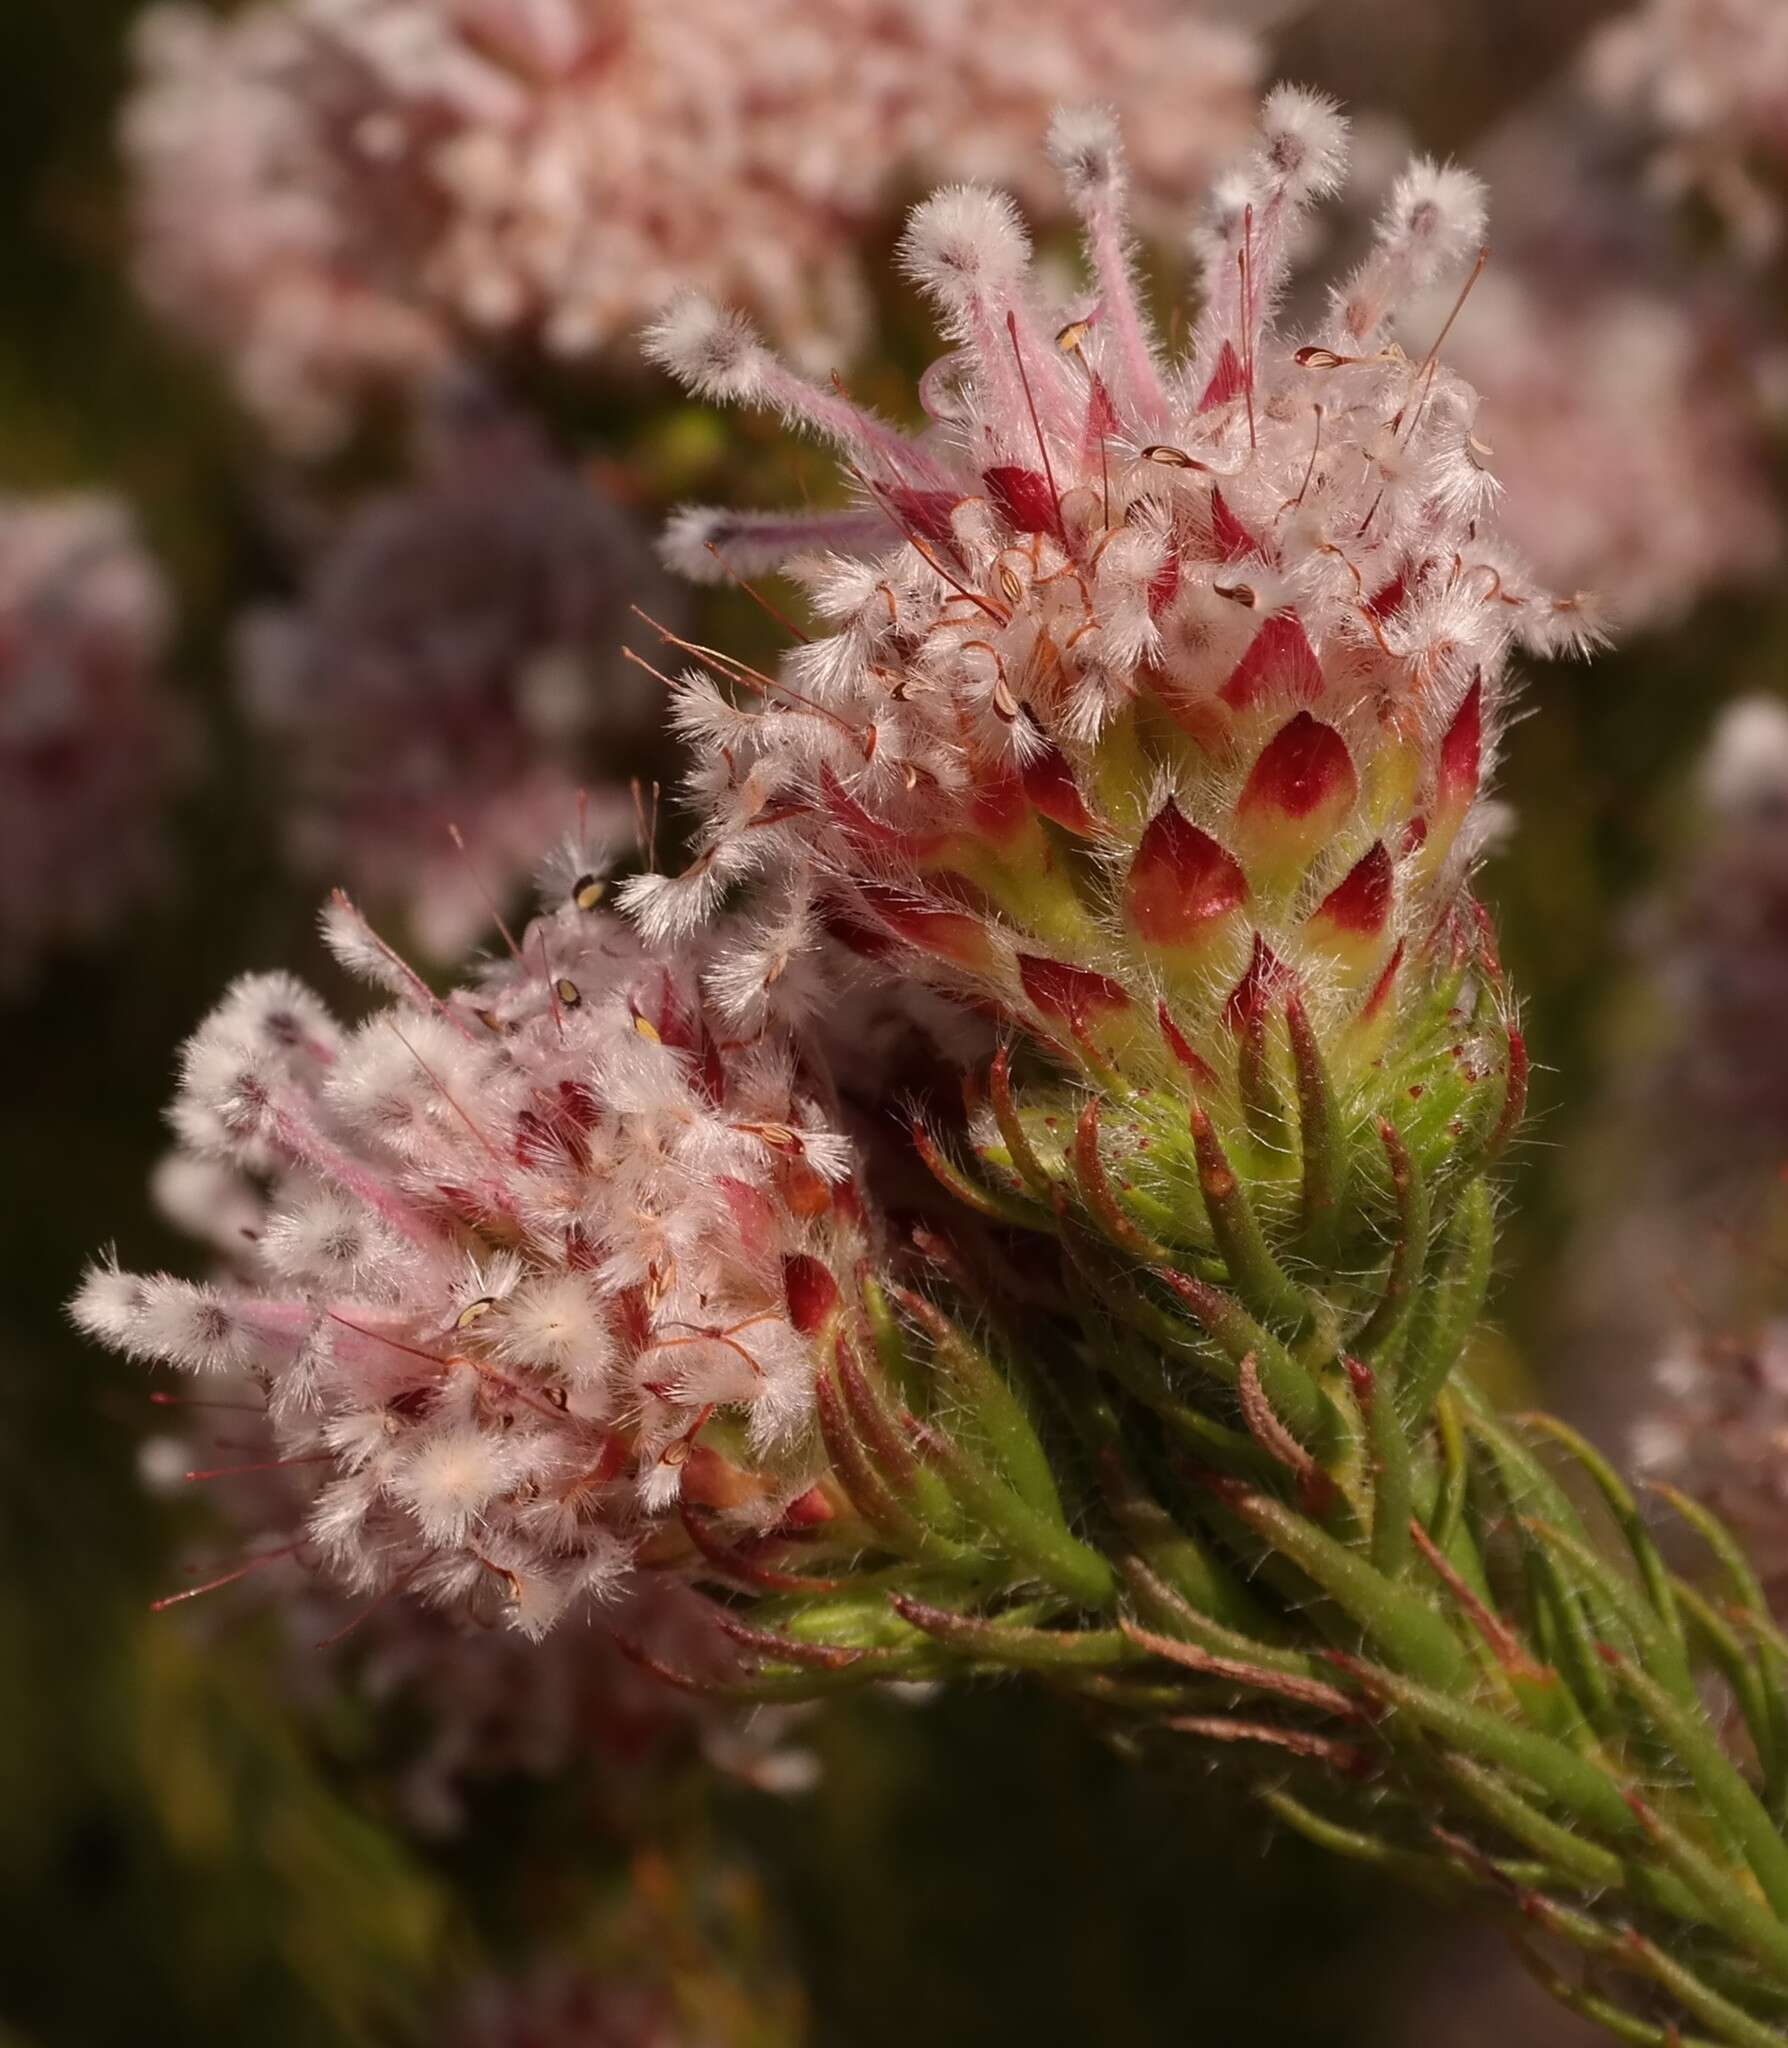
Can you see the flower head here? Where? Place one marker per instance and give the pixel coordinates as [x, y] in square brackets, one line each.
[1154, 697]
[339, 194]
[454, 664]
[89, 744]
[539, 1262]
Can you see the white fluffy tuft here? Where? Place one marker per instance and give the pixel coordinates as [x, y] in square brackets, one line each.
[1303, 143]
[710, 349]
[1087, 148]
[963, 243]
[1436, 217]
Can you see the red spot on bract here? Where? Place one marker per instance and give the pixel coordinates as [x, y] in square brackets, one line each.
[1228, 380]
[1024, 497]
[852, 933]
[579, 1104]
[754, 1219]
[1234, 542]
[1390, 598]
[1164, 586]
[1381, 988]
[1067, 993]
[1305, 767]
[1280, 662]
[1181, 883]
[865, 828]
[924, 513]
[808, 1510]
[1267, 981]
[633, 1315]
[1049, 784]
[1183, 1051]
[810, 1291]
[1000, 809]
[1360, 902]
[1415, 835]
[1462, 752]
[956, 935]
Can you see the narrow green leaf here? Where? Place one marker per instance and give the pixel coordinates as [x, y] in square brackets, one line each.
[987, 1397]
[1322, 1146]
[1729, 1798]
[1571, 1781]
[1256, 1275]
[1450, 1304]
[1404, 1625]
[1040, 1545]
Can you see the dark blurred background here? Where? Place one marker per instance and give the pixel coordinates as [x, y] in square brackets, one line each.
[176, 1863]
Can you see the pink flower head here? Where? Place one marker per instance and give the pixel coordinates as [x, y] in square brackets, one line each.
[337, 194]
[539, 1262]
[1138, 678]
[1709, 78]
[1628, 439]
[89, 744]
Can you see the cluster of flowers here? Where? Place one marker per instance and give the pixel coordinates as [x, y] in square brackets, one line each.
[1626, 423]
[1145, 682]
[332, 193]
[520, 1272]
[1695, 1250]
[90, 745]
[1717, 1426]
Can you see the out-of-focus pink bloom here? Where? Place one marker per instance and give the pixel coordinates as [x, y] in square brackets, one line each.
[336, 194]
[562, 2006]
[454, 663]
[1621, 423]
[1716, 1425]
[538, 1286]
[1710, 78]
[1682, 1179]
[89, 742]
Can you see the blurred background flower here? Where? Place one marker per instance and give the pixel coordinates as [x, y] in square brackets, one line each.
[91, 737]
[343, 195]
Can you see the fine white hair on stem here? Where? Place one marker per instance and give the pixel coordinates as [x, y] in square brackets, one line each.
[711, 544]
